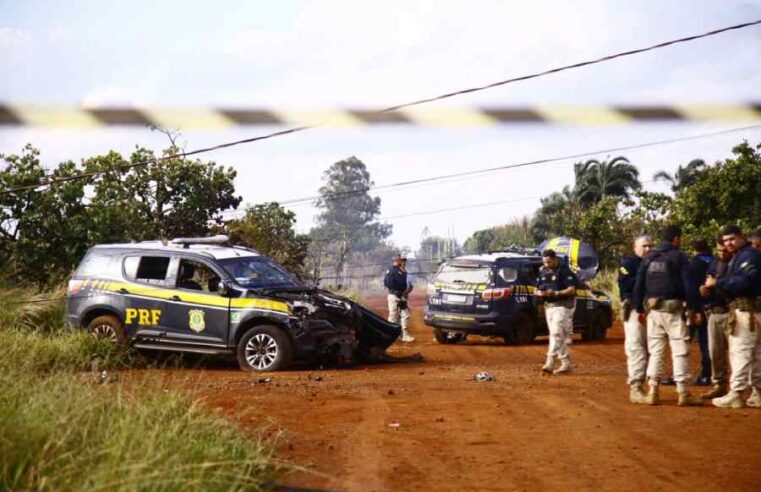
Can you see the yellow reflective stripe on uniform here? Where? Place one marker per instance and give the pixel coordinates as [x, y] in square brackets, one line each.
[575, 253]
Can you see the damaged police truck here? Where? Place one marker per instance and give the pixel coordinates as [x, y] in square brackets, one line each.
[206, 296]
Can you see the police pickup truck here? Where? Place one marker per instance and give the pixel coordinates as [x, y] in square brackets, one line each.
[204, 295]
[493, 295]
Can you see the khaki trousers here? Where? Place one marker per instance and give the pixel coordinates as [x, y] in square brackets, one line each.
[560, 326]
[394, 313]
[745, 353]
[635, 347]
[664, 328]
[717, 346]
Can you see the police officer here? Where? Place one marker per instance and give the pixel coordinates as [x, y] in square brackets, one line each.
[398, 292]
[556, 286]
[663, 286]
[742, 286]
[699, 263]
[716, 308]
[755, 239]
[635, 333]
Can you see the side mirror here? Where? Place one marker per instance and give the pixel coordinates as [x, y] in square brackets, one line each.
[224, 288]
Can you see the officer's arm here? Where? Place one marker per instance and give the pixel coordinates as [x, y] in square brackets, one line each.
[744, 277]
[625, 280]
[570, 281]
[638, 295]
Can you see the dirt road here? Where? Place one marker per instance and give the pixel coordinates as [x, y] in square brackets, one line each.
[429, 426]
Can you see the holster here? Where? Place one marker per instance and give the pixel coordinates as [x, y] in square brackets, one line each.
[626, 308]
[665, 305]
[402, 304]
[744, 305]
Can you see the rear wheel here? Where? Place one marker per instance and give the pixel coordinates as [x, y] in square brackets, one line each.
[264, 348]
[596, 329]
[109, 327]
[523, 331]
[447, 337]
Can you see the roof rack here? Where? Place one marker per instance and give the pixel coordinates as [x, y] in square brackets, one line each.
[219, 240]
[514, 248]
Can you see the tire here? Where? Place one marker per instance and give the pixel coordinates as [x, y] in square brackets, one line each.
[596, 329]
[264, 348]
[523, 331]
[110, 327]
[447, 337]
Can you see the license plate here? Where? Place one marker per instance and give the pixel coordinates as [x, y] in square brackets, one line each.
[455, 298]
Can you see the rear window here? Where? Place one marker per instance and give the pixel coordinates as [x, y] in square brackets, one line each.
[466, 274]
[94, 264]
[147, 269]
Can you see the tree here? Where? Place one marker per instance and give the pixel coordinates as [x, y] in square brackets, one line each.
[683, 177]
[348, 220]
[727, 193]
[270, 229]
[517, 233]
[554, 215]
[596, 180]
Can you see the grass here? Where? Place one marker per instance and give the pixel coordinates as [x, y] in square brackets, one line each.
[62, 429]
[26, 307]
[607, 281]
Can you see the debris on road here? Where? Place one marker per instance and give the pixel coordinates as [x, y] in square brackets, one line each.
[484, 376]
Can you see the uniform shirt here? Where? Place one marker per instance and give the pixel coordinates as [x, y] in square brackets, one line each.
[716, 269]
[743, 277]
[699, 265]
[627, 276]
[679, 284]
[396, 280]
[556, 280]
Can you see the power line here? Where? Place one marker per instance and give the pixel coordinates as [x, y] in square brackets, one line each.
[400, 106]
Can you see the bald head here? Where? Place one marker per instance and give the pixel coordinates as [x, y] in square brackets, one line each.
[642, 245]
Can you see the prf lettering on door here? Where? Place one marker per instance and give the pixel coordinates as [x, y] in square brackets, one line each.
[145, 317]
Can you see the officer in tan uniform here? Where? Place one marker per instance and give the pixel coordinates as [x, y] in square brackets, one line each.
[556, 287]
[742, 286]
[398, 291]
[663, 286]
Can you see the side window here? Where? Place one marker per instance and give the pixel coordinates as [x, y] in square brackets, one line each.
[530, 272]
[94, 264]
[194, 275]
[147, 269]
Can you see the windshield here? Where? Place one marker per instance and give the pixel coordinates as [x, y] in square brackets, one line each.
[464, 274]
[259, 273]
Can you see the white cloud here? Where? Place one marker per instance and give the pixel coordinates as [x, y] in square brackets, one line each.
[11, 37]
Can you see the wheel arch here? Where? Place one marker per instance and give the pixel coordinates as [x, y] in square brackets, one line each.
[255, 321]
[100, 310]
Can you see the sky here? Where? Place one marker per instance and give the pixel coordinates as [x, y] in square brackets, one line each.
[339, 54]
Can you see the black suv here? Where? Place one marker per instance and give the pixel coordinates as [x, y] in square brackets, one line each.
[203, 295]
[493, 295]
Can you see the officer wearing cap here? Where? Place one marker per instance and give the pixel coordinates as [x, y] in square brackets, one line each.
[662, 288]
[716, 308]
[556, 286]
[742, 286]
[398, 291]
[635, 333]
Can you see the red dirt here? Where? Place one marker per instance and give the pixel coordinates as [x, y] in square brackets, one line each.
[523, 431]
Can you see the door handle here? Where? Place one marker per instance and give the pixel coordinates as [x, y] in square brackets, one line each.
[123, 291]
[176, 298]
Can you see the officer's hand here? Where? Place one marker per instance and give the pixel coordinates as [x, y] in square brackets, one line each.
[704, 291]
[697, 319]
[642, 318]
[539, 293]
[551, 293]
[710, 282]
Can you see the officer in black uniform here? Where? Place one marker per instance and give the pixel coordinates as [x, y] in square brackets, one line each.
[663, 286]
[742, 286]
[699, 263]
[556, 286]
[635, 332]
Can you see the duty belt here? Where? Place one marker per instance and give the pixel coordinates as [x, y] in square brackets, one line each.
[664, 305]
[566, 302]
[744, 305]
[717, 310]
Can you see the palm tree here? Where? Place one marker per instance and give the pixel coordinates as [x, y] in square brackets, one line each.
[683, 177]
[595, 179]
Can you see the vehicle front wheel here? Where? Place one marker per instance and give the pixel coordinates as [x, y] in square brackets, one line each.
[109, 327]
[447, 337]
[264, 348]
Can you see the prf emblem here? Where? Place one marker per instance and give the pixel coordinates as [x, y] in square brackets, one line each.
[196, 320]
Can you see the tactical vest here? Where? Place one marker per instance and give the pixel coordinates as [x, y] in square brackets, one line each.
[662, 276]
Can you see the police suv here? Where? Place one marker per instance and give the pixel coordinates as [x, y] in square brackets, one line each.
[206, 296]
[493, 294]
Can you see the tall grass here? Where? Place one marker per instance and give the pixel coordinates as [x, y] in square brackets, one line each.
[60, 430]
[607, 281]
[26, 307]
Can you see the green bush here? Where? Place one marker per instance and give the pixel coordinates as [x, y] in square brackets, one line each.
[607, 281]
